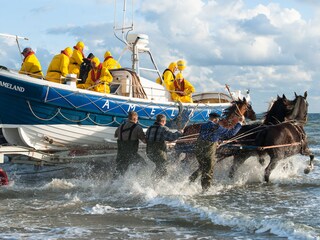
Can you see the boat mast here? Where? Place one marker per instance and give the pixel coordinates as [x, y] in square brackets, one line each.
[17, 40]
[136, 43]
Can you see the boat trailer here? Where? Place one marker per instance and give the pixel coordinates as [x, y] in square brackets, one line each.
[41, 158]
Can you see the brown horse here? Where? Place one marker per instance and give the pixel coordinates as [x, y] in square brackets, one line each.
[277, 141]
[281, 110]
[229, 118]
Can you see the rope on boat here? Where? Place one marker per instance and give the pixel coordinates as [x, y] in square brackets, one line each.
[43, 119]
[119, 104]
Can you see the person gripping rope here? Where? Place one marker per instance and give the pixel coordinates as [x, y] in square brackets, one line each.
[206, 146]
[128, 135]
[157, 134]
[98, 78]
[181, 90]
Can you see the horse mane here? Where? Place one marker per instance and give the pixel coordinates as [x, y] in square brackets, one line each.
[278, 110]
[231, 109]
[283, 109]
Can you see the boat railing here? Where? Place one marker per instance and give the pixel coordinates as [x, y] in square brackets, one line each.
[127, 84]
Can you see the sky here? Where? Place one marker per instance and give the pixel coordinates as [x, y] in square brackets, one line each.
[269, 47]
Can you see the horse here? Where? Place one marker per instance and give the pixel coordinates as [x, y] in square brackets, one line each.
[278, 141]
[229, 118]
[281, 110]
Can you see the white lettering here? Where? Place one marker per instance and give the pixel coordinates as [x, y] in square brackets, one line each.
[131, 107]
[106, 104]
[208, 112]
[152, 111]
[12, 87]
[172, 113]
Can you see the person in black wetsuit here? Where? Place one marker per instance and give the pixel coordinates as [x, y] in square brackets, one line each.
[128, 135]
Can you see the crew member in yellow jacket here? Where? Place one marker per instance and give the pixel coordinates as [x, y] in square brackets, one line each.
[168, 76]
[76, 59]
[58, 68]
[98, 78]
[181, 89]
[181, 64]
[30, 65]
[109, 62]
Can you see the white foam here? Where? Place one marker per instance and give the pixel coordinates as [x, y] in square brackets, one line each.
[59, 184]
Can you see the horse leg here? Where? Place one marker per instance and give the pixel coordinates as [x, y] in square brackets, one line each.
[310, 166]
[272, 164]
[238, 160]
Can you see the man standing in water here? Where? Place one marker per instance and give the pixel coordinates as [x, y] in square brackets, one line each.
[128, 135]
[157, 134]
[206, 146]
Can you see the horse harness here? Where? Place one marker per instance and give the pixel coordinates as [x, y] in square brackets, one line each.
[230, 122]
[302, 137]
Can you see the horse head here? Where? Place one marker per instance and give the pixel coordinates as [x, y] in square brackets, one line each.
[300, 109]
[279, 110]
[250, 113]
[238, 109]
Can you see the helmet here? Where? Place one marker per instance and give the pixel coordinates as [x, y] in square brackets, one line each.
[68, 51]
[80, 45]
[181, 65]
[179, 76]
[96, 61]
[172, 66]
[107, 54]
[26, 50]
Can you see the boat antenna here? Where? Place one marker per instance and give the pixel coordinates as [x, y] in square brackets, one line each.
[17, 40]
[125, 29]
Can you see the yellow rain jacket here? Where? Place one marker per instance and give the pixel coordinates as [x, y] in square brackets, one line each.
[181, 90]
[110, 62]
[76, 59]
[59, 66]
[98, 78]
[168, 76]
[181, 64]
[31, 66]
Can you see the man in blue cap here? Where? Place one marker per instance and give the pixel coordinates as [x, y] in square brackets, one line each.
[206, 145]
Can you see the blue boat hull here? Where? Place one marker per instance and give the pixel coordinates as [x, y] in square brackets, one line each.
[25, 101]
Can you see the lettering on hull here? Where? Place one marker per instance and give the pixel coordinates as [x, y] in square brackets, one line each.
[11, 86]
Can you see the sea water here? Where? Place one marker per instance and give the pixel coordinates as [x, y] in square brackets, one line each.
[83, 201]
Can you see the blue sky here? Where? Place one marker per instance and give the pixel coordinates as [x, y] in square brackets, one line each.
[269, 47]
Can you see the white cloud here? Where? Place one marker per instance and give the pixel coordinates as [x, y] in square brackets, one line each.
[270, 48]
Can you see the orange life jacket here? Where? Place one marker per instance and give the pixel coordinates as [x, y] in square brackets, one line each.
[95, 77]
[178, 88]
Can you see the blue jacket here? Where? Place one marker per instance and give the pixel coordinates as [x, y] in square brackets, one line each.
[212, 132]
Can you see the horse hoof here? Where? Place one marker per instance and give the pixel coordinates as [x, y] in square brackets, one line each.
[308, 169]
[261, 161]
